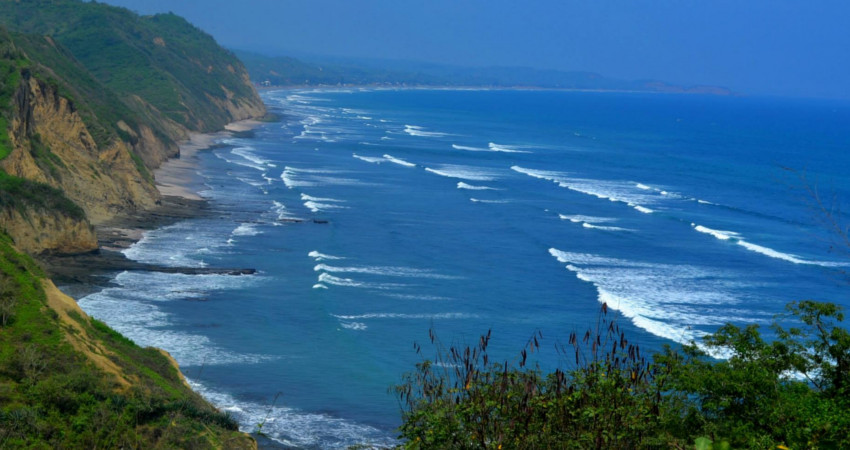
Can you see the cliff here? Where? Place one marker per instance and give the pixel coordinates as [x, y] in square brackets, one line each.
[92, 99]
[52, 145]
[94, 102]
[69, 381]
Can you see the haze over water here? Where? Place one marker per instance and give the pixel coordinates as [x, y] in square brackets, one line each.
[374, 215]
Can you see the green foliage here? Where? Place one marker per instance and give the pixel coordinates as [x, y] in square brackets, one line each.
[52, 396]
[21, 195]
[615, 398]
[11, 62]
[170, 64]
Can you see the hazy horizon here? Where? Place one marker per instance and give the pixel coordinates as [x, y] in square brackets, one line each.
[759, 47]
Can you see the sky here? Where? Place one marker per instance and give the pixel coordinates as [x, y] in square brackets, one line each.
[769, 47]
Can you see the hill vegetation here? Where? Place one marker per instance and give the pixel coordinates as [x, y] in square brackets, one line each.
[68, 381]
[163, 60]
[92, 98]
[287, 71]
[791, 392]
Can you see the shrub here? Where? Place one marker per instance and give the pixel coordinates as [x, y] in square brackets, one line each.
[613, 397]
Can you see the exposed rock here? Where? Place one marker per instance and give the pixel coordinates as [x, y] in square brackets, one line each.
[104, 182]
[37, 232]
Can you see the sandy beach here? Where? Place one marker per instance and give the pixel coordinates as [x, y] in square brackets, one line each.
[178, 182]
[178, 177]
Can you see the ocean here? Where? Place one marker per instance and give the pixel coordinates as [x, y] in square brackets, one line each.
[373, 216]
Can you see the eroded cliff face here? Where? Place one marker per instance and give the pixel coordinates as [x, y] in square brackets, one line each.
[52, 145]
[39, 231]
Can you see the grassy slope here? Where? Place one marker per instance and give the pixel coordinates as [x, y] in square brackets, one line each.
[67, 381]
[70, 381]
[17, 193]
[163, 59]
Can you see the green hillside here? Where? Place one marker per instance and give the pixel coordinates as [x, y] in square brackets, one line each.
[67, 381]
[162, 59]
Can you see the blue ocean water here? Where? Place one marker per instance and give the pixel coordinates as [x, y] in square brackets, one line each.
[374, 215]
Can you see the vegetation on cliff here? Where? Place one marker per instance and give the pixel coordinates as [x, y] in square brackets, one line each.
[174, 67]
[93, 97]
[790, 392]
[68, 381]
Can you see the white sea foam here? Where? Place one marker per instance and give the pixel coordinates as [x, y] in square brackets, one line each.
[604, 228]
[131, 307]
[462, 185]
[297, 178]
[319, 286]
[643, 186]
[577, 218]
[541, 174]
[478, 200]
[291, 180]
[470, 149]
[505, 148]
[407, 316]
[174, 245]
[615, 191]
[294, 428]
[787, 256]
[667, 300]
[428, 298]
[318, 206]
[248, 154]
[357, 326]
[722, 235]
[369, 159]
[246, 229]
[322, 257]
[398, 161]
[464, 172]
[383, 271]
[414, 130]
[310, 198]
[327, 278]
[283, 214]
[250, 182]
[766, 251]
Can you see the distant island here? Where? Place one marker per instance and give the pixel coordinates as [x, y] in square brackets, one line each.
[284, 71]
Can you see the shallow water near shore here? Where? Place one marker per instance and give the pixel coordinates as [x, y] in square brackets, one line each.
[374, 215]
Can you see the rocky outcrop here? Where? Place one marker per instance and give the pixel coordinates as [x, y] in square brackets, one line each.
[52, 145]
[39, 231]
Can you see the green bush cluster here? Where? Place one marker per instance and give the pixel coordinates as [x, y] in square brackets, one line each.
[22, 195]
[792, 391]
[170, 64]
[52, 396]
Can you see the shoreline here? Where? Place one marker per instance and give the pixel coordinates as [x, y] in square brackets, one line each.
[179, 185]
[177, 177]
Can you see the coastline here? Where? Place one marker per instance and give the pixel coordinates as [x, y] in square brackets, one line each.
[179, 185]
[177, 177]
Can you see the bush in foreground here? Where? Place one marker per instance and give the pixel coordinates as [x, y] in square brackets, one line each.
[790, 392]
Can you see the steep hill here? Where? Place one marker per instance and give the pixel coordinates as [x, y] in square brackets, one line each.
[287, 71]
[92, 97]
[169, 64]
[69, 381]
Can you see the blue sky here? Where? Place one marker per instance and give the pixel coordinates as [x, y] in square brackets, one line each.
[776, 47]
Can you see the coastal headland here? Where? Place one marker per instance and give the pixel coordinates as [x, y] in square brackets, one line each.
[99, 129]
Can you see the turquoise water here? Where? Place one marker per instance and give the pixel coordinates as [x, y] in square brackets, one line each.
[375, 215]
